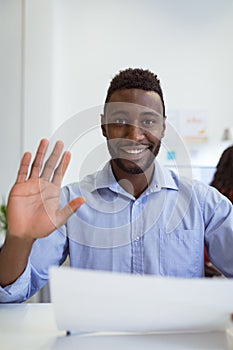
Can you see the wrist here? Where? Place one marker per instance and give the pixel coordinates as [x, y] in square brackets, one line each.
[21, 240]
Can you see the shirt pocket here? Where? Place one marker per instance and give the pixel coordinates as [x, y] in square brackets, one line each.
[180, 252]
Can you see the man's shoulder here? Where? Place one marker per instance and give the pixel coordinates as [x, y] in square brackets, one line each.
[186, 182]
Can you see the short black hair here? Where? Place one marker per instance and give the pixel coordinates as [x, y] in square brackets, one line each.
[135, 78]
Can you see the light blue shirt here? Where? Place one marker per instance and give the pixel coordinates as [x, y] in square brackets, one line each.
[162, 232]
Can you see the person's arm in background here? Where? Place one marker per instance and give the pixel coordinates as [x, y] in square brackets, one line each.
[33, 208]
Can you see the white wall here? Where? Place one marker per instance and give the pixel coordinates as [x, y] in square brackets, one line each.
[38, 71]
[188, 43]
[10, 92]
[72, 49]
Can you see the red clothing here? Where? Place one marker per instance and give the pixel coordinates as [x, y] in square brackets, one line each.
[229, 194]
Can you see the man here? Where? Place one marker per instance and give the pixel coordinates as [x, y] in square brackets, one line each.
[133, 216]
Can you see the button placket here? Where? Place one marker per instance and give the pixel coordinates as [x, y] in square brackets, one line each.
[137, 246]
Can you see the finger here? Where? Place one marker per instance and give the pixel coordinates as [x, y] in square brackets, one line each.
[38, 160]
[61, 169]
[69, 209]
[52, 160]
[23, 168]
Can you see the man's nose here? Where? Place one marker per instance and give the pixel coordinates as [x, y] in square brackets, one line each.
[135, 133]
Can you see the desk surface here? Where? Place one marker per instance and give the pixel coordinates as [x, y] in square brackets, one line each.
[32, 326]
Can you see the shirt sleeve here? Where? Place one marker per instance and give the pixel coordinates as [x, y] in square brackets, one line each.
[46, 252]
[17, 291]
[218, 215]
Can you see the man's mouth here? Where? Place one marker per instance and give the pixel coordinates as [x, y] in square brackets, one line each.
[134, 152]
[134, 149]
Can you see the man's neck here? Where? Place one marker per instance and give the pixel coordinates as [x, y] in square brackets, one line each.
[135, 184]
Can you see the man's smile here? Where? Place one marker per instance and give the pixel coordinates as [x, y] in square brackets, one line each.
[133, 152]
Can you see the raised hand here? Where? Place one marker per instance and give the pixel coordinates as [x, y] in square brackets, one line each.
[33, 205]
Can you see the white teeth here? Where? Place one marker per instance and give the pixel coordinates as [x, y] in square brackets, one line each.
[135, 151]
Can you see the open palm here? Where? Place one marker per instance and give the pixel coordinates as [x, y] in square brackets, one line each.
[33, 206]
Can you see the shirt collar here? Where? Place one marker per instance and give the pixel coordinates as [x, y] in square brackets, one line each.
[162, 178]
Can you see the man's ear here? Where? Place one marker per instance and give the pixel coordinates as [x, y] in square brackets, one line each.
[103, 125]
[164, 127]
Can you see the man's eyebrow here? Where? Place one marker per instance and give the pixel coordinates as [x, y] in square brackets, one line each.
[151, 114]
[119, 111]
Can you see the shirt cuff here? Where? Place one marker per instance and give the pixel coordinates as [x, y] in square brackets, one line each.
[17, 291]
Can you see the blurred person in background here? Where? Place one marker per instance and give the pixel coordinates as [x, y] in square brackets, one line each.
[223, 182]
[223, 177]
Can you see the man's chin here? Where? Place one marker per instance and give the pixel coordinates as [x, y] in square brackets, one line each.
[131, 167]
[135, 167]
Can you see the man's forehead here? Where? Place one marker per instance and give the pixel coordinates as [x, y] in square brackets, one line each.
[114, 108]
[135, 99]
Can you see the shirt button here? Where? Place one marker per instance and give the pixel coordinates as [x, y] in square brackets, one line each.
[137, 238]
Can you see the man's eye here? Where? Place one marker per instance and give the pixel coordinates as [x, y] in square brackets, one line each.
[149, 122]
[120, 121]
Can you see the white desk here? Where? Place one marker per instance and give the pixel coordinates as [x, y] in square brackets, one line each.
[32, 327]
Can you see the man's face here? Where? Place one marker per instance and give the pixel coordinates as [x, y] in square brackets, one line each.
[133, 125]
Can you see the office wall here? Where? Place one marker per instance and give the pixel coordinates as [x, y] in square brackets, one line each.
[26, 66]
[10, 91]
[188, 43]
[71, 50]
[37, 71]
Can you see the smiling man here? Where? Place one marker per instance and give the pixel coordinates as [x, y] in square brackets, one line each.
[133, 123]
[137, 217]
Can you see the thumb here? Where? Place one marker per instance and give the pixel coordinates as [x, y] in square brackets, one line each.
[69, 209]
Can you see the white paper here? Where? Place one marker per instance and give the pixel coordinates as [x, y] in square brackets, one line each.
[87, 301]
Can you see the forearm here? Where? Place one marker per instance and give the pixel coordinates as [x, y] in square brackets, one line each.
[13, 258]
